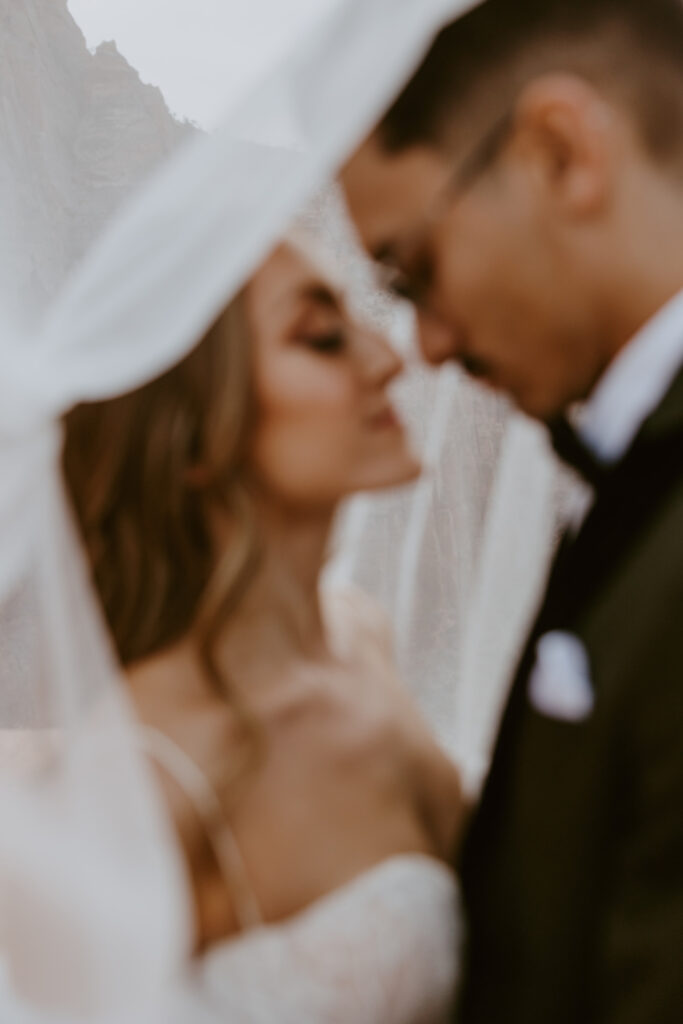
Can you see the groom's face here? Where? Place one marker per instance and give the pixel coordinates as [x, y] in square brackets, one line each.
[484, 260]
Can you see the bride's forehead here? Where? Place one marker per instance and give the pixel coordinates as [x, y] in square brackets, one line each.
[300, 263]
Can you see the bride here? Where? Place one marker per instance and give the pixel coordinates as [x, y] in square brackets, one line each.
[317, 815]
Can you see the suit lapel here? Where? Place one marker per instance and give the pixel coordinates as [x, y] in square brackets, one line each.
[528, 863]
[627, 500]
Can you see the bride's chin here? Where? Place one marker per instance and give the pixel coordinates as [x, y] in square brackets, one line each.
[406, 470]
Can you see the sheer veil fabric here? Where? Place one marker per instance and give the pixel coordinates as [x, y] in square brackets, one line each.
[94, 912]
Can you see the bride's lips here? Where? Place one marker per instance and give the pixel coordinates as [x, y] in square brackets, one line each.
[385, 419]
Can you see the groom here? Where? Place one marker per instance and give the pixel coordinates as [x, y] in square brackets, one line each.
[526, 191]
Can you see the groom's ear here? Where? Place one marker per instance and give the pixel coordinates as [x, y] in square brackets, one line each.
[569, 139]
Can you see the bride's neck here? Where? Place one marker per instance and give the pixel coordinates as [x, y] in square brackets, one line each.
[280, 618]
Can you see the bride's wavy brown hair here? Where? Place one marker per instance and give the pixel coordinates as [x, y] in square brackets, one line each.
[147, 474]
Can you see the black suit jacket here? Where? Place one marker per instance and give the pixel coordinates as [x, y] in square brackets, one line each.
[573, 867]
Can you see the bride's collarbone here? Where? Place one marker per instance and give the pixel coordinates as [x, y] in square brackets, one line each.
[336, 746]
[342, 745]
[345, 782]
[343, 715]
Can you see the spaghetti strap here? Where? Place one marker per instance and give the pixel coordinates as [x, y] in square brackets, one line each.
[220, 834]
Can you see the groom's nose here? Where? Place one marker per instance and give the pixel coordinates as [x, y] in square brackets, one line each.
[438, 341]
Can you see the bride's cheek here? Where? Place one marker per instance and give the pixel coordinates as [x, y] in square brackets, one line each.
[312, 393]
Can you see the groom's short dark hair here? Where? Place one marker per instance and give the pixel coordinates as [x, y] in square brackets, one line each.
[632, 46]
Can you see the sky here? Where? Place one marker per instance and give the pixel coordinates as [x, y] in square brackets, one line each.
[198, 51]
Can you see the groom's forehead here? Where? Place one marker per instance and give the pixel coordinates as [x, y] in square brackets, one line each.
[391, 195]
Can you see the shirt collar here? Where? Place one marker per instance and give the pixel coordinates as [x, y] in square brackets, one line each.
[634, 385]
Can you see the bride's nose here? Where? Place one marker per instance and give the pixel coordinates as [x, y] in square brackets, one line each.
[380, 362]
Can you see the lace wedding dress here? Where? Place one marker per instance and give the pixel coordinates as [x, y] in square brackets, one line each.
[381, 950]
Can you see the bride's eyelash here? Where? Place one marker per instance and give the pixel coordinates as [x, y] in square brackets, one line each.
[327, 343]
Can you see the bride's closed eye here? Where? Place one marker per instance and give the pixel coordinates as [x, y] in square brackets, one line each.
[321, 327]
[329, 343]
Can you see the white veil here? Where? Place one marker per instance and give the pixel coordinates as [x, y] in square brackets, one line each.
[94, 917]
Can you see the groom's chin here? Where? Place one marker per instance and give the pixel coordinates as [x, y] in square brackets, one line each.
[536, 405]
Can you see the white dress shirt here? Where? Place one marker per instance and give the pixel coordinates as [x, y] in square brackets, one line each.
[634, 385]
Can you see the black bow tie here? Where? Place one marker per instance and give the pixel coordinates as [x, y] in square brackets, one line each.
[572, 450]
